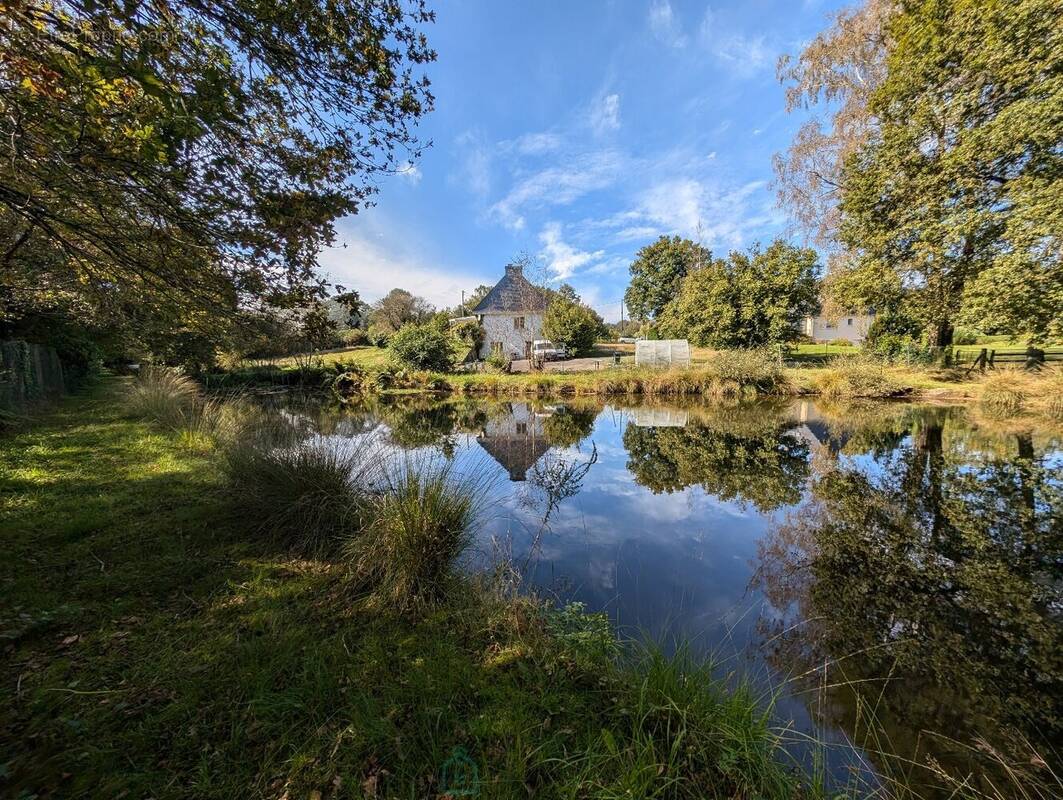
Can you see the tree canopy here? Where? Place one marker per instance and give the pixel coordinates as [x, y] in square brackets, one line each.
[571, 323]
[747, 300]
[399, 307]
[184, 159]
[657, 271]
[952, 179]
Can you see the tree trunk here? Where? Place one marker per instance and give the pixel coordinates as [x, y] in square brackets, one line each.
[940, 333]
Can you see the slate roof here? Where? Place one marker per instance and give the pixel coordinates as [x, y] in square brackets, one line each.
[513, 293]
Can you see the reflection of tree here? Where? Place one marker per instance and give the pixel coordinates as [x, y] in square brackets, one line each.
[569, 426]
[554, 479]
[761, 464]
[418, 423]
[941, 569]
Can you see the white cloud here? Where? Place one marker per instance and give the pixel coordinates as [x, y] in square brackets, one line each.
[561, 258]
[605, 113]
[742, 55]
[409, 172]
[721, 218]
[557, 186]
[664, 25]
[531, 144]
[373, 271]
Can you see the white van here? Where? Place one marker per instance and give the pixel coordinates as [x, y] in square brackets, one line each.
[545, 350]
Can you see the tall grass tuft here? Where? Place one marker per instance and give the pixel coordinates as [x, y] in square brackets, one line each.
[175, 402]
[422, 524]
[759, 369]
[684, 733]
[857, 376]
[1004, 393]
[309, 499]
[1011, 392]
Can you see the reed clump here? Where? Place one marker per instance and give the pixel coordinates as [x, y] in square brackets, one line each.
[175, 402]
[421, 525]
[308, 499]
[857, 376]
[1010, 392]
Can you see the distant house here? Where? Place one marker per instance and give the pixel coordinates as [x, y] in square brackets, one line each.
[512, 315]
[852, 327]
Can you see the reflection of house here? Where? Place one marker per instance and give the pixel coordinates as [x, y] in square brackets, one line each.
[852, 327]
[512, 315]
[815, 430]
[515, 441]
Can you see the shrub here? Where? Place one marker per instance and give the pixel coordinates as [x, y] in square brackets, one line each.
[1004, 393]
[353, 337]
[572, 324]
[422, 525]
[378, 335]
[497, 361]
[759, 368]
[965, 336]
[856, 376]
[470, 333]
[309, 499]
[423, 347]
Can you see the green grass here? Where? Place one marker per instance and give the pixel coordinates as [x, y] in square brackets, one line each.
[366, 356]
[153, 645]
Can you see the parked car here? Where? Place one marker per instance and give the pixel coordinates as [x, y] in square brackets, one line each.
[545, 350]
[626, 340]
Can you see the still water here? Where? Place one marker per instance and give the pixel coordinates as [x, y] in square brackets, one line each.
[893, 572]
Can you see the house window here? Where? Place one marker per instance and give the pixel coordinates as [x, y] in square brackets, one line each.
[850, 322]
[522, 428]
[518, 323]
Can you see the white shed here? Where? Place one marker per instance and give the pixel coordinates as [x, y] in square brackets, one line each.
[662, 353]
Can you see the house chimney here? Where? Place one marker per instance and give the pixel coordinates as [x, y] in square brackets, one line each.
[514, 270]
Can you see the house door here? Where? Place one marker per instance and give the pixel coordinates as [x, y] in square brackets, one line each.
[527, 349]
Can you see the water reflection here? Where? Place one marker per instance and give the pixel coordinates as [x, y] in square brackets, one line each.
[897, 568]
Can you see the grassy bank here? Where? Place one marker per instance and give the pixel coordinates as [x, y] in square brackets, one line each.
[158, 643]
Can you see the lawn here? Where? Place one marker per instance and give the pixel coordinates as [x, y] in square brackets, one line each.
[155, 646]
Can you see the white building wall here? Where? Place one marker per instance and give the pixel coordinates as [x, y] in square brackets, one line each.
[853, 327]
[498, 327]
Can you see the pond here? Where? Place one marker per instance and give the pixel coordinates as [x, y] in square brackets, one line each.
[892, 573]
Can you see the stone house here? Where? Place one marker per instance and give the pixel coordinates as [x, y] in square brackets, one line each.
[852, 327]
[512, 315]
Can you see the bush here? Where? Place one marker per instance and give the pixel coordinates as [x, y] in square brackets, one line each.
[855, 376]
[760, 368]
[470, 333]
[423, 347]
[353, 337]
[422, 525]
[378, 335]
[497, 361]
[900, 349]
[573, 325]
[965, 336]
[309, 499]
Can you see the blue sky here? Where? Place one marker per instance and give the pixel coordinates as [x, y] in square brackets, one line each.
[579, 132]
